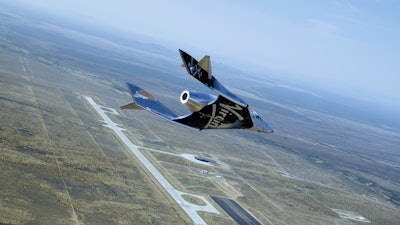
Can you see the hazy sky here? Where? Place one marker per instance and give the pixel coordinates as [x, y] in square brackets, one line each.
[353, 45]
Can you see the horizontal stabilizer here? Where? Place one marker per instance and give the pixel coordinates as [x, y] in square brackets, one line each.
[131, 106]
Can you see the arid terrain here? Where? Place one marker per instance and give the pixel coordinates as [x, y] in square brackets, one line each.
[60, 165]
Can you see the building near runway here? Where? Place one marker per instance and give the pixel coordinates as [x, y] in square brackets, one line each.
[205, 157]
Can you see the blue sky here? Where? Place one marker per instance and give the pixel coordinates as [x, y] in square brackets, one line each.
[349, 46]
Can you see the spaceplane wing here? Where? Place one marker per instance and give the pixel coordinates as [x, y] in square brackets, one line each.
[222, 111]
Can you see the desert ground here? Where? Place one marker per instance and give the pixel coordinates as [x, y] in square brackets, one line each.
[60, 165]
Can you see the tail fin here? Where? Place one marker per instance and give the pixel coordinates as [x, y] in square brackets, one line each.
[205, 64]
[199, 70]
[202, 72]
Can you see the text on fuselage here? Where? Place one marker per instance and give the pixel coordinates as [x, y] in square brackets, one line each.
[223, 112]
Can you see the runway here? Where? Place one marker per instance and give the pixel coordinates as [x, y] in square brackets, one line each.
[189, 208]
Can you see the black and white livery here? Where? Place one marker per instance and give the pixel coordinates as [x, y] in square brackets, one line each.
[225, 111]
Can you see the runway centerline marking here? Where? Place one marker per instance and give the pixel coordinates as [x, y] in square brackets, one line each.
[189, 208]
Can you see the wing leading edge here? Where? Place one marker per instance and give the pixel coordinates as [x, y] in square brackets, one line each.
[144, 100]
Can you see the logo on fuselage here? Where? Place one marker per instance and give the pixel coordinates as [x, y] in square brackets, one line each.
[195, 70]
[225, 110]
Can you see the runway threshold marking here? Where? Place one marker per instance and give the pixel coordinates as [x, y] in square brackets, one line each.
[189, 208]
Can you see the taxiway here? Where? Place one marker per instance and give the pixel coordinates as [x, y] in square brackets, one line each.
[189, 208]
